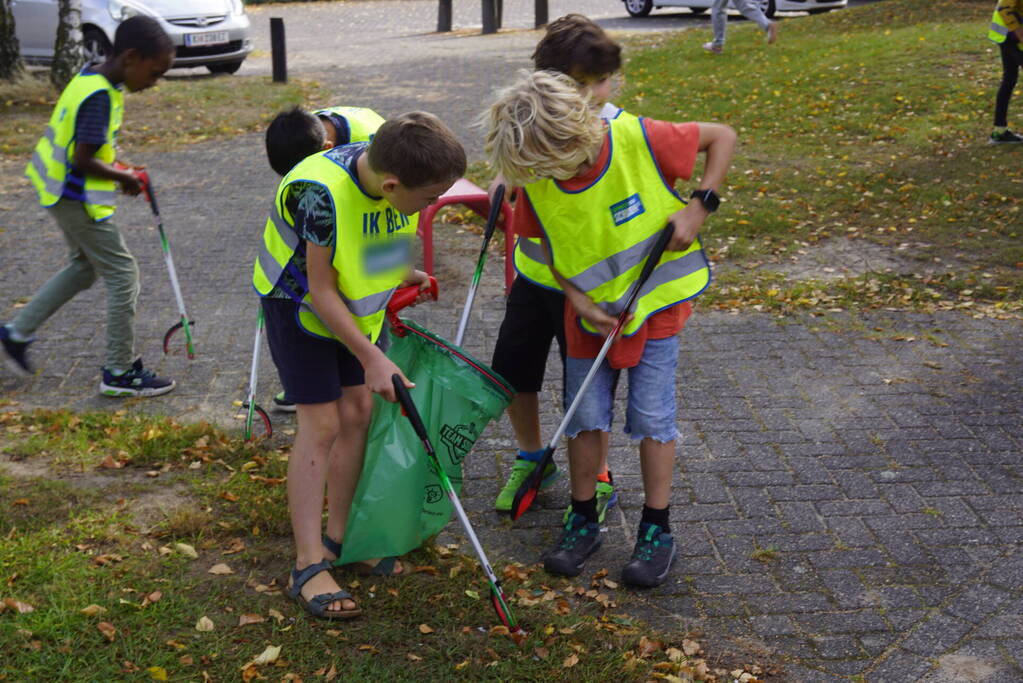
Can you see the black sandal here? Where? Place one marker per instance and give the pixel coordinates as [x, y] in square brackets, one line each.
[318, 605]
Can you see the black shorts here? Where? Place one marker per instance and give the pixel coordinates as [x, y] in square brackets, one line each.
[533, 316]
[312, 369]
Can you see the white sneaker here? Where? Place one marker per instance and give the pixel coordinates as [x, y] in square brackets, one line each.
[712, 48]
[772, 32]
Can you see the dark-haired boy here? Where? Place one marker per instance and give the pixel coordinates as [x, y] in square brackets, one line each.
[296, 134]
[337, 244]
[534, 313]
[74, 174]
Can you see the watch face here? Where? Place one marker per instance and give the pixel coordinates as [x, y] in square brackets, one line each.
[708, 198]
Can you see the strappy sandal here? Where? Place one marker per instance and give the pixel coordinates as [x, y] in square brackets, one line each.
[384, 567]
[318, 605]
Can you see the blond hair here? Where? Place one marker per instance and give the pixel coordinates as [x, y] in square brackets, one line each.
[541, 126]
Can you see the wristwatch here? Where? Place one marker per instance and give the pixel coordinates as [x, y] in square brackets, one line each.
[709, 198]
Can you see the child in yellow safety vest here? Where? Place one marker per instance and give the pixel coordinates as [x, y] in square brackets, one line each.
[73, 172]
[1006, 30]
[534, 311]
[335, 247]
[296, 134]
[597, 193]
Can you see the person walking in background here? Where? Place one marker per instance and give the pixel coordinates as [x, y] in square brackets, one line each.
[748, 9]
[75, 176]
[1006, 30]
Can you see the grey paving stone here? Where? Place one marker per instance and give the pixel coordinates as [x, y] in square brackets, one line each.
[936, 635]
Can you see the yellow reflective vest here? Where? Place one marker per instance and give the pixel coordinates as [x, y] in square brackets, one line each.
[999, 28]
[362, 122]
[55, 151]
[372, 247]
[528, 256]
[600, 236]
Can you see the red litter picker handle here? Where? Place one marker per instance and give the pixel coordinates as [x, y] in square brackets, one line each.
[404, 296]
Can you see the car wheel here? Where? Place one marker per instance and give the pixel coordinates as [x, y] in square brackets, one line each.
[639, 8]
[224, 67]
[767, 7]
[95, 46]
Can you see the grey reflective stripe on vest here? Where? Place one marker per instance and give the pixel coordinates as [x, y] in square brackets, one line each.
[53, 186]
[267, 262]
[101, 197]
[531, 249]
[613, 266]
[59, 152]
[664, 273]
[368, 305]
[999, 29]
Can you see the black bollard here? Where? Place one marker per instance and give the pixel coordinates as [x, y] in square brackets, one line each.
[279, 53]
[489, 16]
[443, 16]
[540, 13]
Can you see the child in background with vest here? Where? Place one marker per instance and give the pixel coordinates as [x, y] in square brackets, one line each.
[73, 171]
[534, 312]
[336, 246]
[1007, 30]
[609, 185]
[295, 134]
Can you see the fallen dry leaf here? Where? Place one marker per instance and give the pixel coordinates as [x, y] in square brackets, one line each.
[235, 545]
[413, 657]
[205, 624]
[220, 570]
[186, 550]
[268, 656]
[93, 610]
[16, 606]
[277, 616]
[690, 647]
[570, 661]
[108, 630]
[246, 619]
[157, 673]
[424, 629]
[151, 598]
[648, 646]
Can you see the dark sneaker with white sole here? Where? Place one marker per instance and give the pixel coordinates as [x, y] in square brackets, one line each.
[283, 404]
[136, 382]
[579, 540]
[16, 353]
[1006, 137]
[651, 557]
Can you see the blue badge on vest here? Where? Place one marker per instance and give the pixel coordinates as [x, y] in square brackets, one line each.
[627, 209]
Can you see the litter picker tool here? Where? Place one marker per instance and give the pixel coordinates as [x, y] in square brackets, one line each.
[488, 232]
[253, 408]
[526, 494]
[184, 323]
[497, 598]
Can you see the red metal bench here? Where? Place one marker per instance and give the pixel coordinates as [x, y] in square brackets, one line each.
[471, 195]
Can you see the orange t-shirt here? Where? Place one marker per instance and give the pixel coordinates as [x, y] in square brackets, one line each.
[675, 146]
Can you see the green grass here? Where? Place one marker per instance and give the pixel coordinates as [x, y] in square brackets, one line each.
[78, 534]
[865, 125]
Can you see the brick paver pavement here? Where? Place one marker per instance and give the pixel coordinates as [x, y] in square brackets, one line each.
[846, 498]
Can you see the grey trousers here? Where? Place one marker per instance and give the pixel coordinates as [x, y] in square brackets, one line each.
[719, 17]
[94, 249]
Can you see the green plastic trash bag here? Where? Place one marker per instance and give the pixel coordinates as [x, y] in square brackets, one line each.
[399, 502]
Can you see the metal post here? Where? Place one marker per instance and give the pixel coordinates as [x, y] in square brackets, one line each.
[489, 18]
[278, 51]
[540, 12]
[443, 16]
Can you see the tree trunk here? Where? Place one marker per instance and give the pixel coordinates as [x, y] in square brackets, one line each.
[11, 66]
[67, 51]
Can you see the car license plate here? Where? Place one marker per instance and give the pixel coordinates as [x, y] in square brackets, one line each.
[211, 38]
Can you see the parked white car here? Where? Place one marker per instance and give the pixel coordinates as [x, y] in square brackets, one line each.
[211, 33]
[641, 8]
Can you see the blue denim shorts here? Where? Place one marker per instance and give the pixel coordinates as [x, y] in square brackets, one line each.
[650, 410]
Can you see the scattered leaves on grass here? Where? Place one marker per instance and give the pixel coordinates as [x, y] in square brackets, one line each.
[246, 619]
[186, 550]
[92, 610]
[16, 606]
[220, 570]
[570, 661]
[205, 624]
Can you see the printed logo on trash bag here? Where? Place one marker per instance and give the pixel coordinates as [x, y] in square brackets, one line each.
[433, 493]
[459, 440]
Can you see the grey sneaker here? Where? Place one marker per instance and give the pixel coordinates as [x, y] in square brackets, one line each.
[136, 382]
[651, 557]
[283, 404]
[16, 353]
[579, 540]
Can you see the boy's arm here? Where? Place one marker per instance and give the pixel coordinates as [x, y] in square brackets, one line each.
[580, 300]
[717, 142]
[332, 311]
[85, 161]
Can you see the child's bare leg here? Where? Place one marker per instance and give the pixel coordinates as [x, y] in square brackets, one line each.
[586, 451]
[524, 415]
[657, 462]
[346, 457]
[318, 427]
